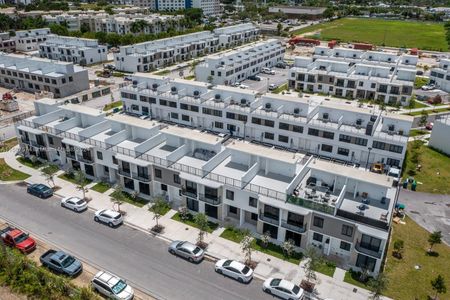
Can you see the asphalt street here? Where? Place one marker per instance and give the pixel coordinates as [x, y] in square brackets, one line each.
[138, 257]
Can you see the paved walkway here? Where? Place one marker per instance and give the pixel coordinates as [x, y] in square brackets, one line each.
[142, 219]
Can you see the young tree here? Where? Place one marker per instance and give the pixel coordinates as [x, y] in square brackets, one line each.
[201, 220]
[247, 247]
[288, 247]
[438, 285]
[184, 213]
[158, 208]
[265, 238]
[81, 182]
[117, 197]
[423, 118]
[378, 285]
[433, 239]
[312, 262]
[279, 28]
[48, 173]
[398, 248]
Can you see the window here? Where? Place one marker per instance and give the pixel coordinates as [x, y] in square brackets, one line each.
[343, 151]
[283, 126]
[232, 209]
[218, 125]
[185, 118]
[312, 131]
[253, 202]
[317, 237]
[158, 173]
[283, 139]
[328, 135]
[370, 243]
[99, 155]
[345, 246]
[327, 148]
[230, 195]
[50, 140]
[174, 115]
[318, 222]
[163, 187]
[114, 160]
[268, 135]
[176, 178]
[366, 262]
[347, 230]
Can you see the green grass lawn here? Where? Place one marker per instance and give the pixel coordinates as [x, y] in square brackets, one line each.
[162, 72]
[420, 81]
[27, 162]
[416, 104]
[8, 144]
[432, 163]
[423, 35]
[101, 187]
[353, 278]
[50, 169]
[405, 282]
[326, 267]
[417, 132]
[437, 110]
[190, 77]
[71, 178]
[236, 235]
[9, 174]
[139, 202]
[112, 105]
[190, 221]
[165, 210]
[280, 89]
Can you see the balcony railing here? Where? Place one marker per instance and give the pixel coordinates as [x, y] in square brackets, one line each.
[363, 219]
[363, 250]
[123, 172]
[269, 218]
[70, 155]
[86, 160]
[294, 227]
[141, 177]
[25, 141]
[189, 193]
[322, 207]
[210, 199]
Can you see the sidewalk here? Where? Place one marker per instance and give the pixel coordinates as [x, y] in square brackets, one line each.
[142, 219]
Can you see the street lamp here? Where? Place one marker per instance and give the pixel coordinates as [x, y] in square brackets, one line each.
[368, 156]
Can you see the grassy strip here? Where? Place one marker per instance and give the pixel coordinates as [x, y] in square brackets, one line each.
[50, 169]
[420, 81]
[9, 174]
[190, 221]
[281, 88]
[101, 187]
[437, 110]
[417, 132]
[326, 267]
[162, 72]
[8, 144]
[112, 105]
[353, 277]
[138, 201]
[27, 162]
[190, 77]
[71, 178]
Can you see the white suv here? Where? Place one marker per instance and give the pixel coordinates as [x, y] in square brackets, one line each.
[108, 216]
[111, 286]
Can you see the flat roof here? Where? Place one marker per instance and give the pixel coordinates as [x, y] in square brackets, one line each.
[192, 134]
[133, 121]
[270, 153]
[82, 109]
[235, 90]
[351, 172]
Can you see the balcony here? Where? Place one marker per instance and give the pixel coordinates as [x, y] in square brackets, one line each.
[363, 250]
[210, 199]
[322, 207]
[124, 172]
[86, 160]
[25, 141]
[300, 228]
[268, 218]
[70, 155]
[189, 193]
[141, 177]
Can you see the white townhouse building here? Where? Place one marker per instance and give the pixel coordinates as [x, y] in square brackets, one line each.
[73, 22]
[342, 210]
[29, 40]
[148, 56]
[42, 75]
[7, 43]
[72, 49]
[325, 127]
[238, 64]
[237, 35]
[440, 76]
[356, 74]
[440, 137]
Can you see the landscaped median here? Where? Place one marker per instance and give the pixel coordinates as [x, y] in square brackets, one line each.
[190, 221]
[101, 187]
[7, 145]
[35, 164]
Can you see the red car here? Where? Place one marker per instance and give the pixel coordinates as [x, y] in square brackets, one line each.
[18, 239]
[429, 126]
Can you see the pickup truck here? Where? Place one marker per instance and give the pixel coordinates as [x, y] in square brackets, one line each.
[18, 239]
[61, 262]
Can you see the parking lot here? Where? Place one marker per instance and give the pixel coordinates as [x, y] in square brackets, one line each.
[280, 77]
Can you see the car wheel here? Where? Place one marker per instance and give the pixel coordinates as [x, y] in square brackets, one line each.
[268, 291]
[63, 205]
[172, 251]
[191, 259]
[240, 280]
[110, 224]
[96, 219]
[219, 271]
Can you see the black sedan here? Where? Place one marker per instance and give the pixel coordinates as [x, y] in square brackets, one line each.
[40, 190]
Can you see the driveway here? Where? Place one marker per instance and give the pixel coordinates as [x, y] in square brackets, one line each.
[431, 211]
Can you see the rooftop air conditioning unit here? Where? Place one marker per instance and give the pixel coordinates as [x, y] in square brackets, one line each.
[154, 86]
[173, 90]
[296, 111]
[135, 83]
[243, 102]
[325, 116]
[391, 128]
[268, 106]
[217, 97]
[196, 94]
[359, 121]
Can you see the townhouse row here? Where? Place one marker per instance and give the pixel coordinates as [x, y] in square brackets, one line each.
[314, 124]
[356, 74]
[42, 75]
[440, 76]
[237, 65]
[29, 40]
[342, 210]
[72, 49]
[148, 56]
[208, 7]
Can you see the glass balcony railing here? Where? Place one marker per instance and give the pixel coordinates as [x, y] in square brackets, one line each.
[322, 207]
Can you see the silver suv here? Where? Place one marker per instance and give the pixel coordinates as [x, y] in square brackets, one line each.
[191, 252]
[111, 286]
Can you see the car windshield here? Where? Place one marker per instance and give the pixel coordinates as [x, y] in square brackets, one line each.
[296, 289]
[119, 287]
[245, 270]
[67, 261]
[275, 282]
[22, 237]
[227, 263]
[79, 202]
[196, 250]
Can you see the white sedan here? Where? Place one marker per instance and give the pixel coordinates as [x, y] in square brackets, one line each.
[283, 289]
[74, 203]
[234, 269]
[108, 216]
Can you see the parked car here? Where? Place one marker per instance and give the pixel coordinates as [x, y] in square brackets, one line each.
[18, 239]
[281, 65]
[243, 86]
[40, 190]
[187, 250]
[61, 262]
[419, 72]
[144, 117]
[272, 86]
[283, 289]
[254, 77]
[428, 87]
[236, 84]
[109, 67]
[108, 216]
[111, 286]
[267, 71]
[429, 126]
[234, 269]
[128, 78]
[74, 203]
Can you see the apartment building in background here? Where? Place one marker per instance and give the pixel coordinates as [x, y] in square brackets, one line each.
[7, 43]
[356, 74]
[29, 40]
[440, 76]
[72, 49]
[236, 35]
[318, 125]
[236, 65]
[341, 209]
[42, 75]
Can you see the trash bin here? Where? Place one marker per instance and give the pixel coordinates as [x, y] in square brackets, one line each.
[414, 185]
[405, 183]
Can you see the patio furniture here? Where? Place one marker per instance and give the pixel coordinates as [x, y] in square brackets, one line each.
[365, 201]
[383, 217]
[365, 195]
